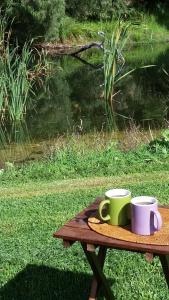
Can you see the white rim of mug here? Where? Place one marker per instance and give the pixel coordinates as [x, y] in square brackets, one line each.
[118, 193]
[136, 200]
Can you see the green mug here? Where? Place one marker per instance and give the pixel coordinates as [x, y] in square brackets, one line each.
[117, 202]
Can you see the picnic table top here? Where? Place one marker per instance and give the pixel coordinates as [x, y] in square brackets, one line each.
[77, 229]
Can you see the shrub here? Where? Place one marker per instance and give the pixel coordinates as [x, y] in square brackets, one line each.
[36, 18]
[96, 9]
[160, 145]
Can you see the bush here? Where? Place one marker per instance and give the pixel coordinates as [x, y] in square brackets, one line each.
[36, 18]
[160, 145]
[96, 9]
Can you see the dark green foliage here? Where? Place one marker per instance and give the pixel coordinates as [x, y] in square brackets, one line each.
[152, 5]
[96, 9]
[108, 9]
[36, 18]
[161, 144]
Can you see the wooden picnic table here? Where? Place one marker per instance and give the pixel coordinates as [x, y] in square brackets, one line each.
[77, 230]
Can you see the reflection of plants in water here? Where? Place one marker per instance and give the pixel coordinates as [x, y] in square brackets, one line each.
[86, 100]
[15, 134]
[144, 96]
[52, 104]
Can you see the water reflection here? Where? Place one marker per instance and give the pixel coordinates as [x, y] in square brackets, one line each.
[144, 98]
[71, 100]
[16, 145]
[75, 95]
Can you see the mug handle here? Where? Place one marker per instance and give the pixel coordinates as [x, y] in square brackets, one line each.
[101, 206]
[159, 220]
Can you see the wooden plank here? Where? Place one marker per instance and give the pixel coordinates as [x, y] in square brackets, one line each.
[91, 237]
[165, 266]
[149, 257]
[77, 230]
[97, 270]
[82, 217]
[67, 243]
[80, 220]
[91, 247]
[95, 286]
[78, 223]
[163, 206]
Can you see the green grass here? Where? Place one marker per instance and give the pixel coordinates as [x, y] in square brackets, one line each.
[38, 198]
[79, 160]
[147, 30]
[34, 265]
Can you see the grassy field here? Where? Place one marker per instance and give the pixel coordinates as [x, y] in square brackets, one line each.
[147, 29]
[37, 199]
[35, 266]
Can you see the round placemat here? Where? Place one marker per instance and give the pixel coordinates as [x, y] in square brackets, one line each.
[124, 233]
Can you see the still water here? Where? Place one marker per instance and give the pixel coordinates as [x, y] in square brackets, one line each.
[70, 100]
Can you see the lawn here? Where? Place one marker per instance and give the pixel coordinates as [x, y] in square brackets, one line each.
[34, 204]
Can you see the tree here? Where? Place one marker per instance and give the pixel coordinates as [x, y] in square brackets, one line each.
[96, 9]
[35, 18]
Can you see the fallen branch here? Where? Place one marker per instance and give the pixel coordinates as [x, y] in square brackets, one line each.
[88, 46]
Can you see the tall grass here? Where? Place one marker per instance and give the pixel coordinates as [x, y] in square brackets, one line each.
[15, 84]
[113, 61]
[19, 68]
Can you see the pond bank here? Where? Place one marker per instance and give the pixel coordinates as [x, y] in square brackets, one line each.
[27, 152]
[76, 34]
[54, 49]
[82, 158]
[70, 103]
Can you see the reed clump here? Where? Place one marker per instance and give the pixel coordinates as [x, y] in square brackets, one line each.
[20, 67]
[114, 61]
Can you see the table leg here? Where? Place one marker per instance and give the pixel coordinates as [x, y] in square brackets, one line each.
[95, 284]
[165, 265]
[96, 267]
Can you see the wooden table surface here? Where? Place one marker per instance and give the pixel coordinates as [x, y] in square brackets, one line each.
[77, 229]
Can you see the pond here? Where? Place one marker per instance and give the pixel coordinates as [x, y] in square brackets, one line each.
[70, 100]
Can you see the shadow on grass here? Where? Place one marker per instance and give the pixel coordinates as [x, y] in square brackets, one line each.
[46, 283]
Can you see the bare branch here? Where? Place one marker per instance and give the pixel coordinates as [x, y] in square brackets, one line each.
[88, 46]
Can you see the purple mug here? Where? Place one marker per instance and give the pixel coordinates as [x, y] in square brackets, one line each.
[145, 217]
